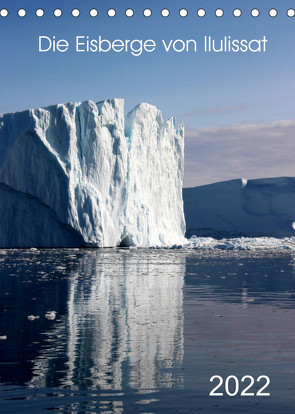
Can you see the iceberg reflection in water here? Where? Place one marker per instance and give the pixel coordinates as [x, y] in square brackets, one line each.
[123, 326]
[143, 330]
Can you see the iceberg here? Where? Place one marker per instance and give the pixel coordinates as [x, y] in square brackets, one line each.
[241, 208]
[79, 174]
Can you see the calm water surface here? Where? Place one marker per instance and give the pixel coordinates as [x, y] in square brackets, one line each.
[142, 331]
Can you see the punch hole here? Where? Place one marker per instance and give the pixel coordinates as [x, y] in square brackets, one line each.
[3, 12]
[290, 12]
[93, 12]
[183, 12]
[111, 12]
[75, 12]
[201, 13]
[129, 12]
[22, 12]
[219, 13]
[273, 12]
[237, 13]
[39, 12]
[57, 12]
[165, 12]
[255, 12]
[147, 12]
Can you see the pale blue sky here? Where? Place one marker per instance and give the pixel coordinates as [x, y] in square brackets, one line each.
[204, 90]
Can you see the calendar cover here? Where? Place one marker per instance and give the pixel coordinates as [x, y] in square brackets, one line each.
[147, 206]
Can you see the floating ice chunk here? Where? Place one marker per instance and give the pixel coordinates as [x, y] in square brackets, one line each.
[50, 315]
[32, 317]
[3, 338]
[293, 225]
[241, 243]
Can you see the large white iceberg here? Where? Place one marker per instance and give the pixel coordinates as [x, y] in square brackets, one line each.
[80, 175]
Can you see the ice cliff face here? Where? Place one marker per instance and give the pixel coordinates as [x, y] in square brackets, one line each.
[155, 155]
[78, 174]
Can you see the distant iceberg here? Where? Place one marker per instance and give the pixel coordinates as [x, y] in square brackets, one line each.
[79, 174]
[241, 208]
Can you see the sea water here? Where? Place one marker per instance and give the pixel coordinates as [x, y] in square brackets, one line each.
[144, 330]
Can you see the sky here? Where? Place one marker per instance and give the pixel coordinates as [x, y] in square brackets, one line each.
[238, 108]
